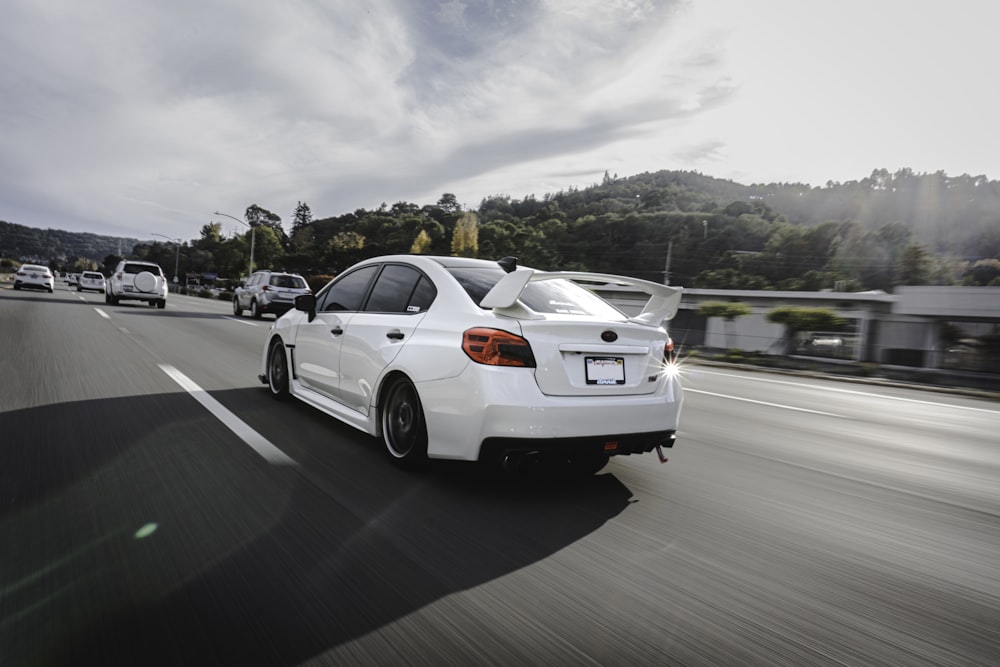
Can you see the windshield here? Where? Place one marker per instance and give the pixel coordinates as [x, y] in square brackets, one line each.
[561, 297]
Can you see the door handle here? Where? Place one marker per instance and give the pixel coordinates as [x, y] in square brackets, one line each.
[336, 331]
[395, 335]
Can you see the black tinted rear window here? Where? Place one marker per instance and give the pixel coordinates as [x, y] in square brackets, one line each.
[290, 282]
[139, 268]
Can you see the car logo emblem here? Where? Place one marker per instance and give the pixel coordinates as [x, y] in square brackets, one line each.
[609, 336]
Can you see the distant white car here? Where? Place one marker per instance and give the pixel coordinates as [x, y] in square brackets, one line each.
[456, 358]
[90, 280]
[34, 276]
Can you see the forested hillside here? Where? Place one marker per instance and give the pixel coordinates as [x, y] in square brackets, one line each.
[57, 247]
[884, 230]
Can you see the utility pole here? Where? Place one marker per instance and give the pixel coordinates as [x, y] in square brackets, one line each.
[666, 267]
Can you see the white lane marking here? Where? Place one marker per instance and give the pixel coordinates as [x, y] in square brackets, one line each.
[852, 391]
[257, 442]
[771, 405]
[227, 317]
[102, 314]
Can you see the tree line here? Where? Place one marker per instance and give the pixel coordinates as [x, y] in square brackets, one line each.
[885, 230]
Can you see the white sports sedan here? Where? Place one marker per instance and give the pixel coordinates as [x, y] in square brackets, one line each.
[36, 276]
[90, 280]
[469, 359]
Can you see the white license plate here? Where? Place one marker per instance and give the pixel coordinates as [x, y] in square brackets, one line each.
[605, 370]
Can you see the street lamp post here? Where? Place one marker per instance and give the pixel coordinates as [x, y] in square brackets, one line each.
[252, 237]
[177, 255]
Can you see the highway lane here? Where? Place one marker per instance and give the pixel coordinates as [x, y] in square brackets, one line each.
[798, 521]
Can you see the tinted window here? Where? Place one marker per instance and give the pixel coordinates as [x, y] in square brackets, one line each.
[567, 298]
[477, 282]
[293, 282]
[394, 290]
[548, 296]
[423, 296]
[348, 293]
[139, 268]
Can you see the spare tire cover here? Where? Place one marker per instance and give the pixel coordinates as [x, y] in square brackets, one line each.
[145, 281]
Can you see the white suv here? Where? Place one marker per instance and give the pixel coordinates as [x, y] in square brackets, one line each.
[137, 281]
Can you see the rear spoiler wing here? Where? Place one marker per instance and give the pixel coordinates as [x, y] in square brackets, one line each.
[664, 300]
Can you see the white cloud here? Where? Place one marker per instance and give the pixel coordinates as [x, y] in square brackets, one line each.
[126, 118]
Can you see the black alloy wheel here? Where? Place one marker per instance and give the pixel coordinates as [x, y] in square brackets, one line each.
[277, 371]
[403, 428]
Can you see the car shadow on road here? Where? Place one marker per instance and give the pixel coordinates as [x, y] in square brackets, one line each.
[246, 563]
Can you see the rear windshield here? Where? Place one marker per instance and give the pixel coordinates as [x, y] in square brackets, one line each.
[294, 282]
[547, 296]
[139, 268]
[98, 276]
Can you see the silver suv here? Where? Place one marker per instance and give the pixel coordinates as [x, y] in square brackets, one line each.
[137, 281]
[269, 292]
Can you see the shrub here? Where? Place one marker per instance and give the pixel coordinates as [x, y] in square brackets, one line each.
[225, 296]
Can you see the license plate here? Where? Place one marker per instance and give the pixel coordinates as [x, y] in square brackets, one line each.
[605, 370]
[128, 288]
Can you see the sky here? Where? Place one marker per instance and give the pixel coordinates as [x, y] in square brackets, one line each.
[140, 117]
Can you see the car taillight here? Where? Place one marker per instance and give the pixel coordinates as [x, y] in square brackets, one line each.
[119, 276]
[497, 348]
[669, 353]
[266, 288]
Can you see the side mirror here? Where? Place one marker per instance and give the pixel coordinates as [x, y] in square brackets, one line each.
[307, 304]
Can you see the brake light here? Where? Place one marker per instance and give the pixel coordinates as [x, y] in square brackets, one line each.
[497, 348]
[265, 288]
[669, 353]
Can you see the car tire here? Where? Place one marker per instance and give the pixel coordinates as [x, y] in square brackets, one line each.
[79, 289]
[404, 431]
[254, 310]
[237, 311]
[161, 304]
[114, 300]
[277, 371]
[16, 287]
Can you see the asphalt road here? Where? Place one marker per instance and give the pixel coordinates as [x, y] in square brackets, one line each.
[158, 508]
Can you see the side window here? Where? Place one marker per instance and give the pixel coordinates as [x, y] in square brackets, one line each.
[393, 289]
[423, 296]
[347, 293]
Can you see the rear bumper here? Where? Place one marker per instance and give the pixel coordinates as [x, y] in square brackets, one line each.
[487, 410]
[498, 448]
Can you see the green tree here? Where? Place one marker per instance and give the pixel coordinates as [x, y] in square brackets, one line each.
[799, 318]
[261, 217]
[913, 266]
[728, 311]
[301, 218]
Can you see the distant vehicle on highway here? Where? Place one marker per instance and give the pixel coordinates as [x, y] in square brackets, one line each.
[90, 280]
[456, 358]
[269, 292]
[137, 281]
[34, 276]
